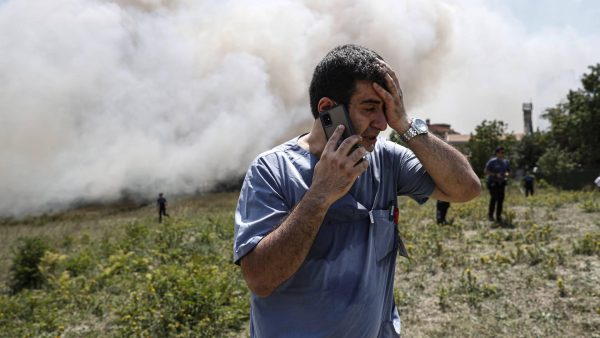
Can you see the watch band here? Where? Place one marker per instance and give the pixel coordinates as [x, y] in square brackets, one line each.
[414, 130]
[410, 133]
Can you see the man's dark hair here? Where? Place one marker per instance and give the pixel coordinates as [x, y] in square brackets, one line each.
[336, 75]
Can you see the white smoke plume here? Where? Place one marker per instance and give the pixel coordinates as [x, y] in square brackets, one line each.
[100, 98]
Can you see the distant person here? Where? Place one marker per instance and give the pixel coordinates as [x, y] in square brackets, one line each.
[161, 202]
[497, 170]
[528, 181]
[441, 211]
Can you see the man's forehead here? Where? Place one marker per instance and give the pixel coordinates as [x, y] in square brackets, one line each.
[364, 93]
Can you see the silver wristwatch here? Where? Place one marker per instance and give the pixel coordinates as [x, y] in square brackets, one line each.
[417, 127]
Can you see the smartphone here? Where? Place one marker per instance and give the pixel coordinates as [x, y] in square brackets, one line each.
[332, 118]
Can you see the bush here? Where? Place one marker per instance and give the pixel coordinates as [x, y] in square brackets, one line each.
[590, 205]
[556, 162]
[588, 245]
[197, 299]
[24, 272]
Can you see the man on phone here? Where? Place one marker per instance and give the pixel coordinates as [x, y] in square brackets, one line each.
[315, 230]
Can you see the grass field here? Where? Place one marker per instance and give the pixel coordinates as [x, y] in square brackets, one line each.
[112, 271]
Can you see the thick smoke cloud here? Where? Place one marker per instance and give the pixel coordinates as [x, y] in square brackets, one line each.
[104, 98]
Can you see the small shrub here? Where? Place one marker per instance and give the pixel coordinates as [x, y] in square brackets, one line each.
[535, 254]
[79, 263]
[518, 255]
[537, 234]
[562, 291]
[543, 184]
[402, 298]
[68, 241]
[475, 291]
[509, 218]
[590, 205]
[24, 272]
[501, 259]
[136, 231]
[589, 245]
[443, 299]
[485, 260]
[85, 238]
[197, 299]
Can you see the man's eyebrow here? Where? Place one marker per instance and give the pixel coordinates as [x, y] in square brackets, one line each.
[370, 101]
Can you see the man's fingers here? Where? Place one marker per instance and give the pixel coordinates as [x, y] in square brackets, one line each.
[394, 85]
[331, 145]
[391, 72]
[348, 143]
[358, 154]
[384, 94]
[394, 88]
[360, 168]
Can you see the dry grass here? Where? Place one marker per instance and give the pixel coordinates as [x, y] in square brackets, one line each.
[468, 279]
[526, 280]
[100, 222]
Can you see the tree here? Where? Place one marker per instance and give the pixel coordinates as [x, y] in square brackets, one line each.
[488, 135]
[529, 150]
[575, 124]
[395, 137]
[556, 162]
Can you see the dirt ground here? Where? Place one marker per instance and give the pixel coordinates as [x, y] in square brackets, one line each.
[522, 278]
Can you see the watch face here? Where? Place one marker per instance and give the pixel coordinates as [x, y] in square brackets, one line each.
[420, 125]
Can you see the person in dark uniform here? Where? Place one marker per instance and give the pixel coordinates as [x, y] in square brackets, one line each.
[497, 170]
[161, 202]
[528, 183]
[441, 211]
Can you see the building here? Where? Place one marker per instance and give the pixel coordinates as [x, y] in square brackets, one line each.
[445, 132]
[527, 124]
[441, 130]
[459, 141]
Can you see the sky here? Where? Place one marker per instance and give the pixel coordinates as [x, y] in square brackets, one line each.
[513, 52]
[539, 15]
[547, 17]
[101, 99]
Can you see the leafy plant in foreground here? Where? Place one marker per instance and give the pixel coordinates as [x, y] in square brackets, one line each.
[24, 272]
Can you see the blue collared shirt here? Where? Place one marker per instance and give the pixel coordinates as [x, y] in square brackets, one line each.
[344, 288]
[498, 167]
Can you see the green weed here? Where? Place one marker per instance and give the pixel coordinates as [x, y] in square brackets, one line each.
[588, 245]
[474, 291]
[24, 272]
[443, 295]
[153, 280]
[105, 273]
[590, 205]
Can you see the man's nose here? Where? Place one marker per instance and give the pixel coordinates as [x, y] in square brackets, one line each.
[379, 121]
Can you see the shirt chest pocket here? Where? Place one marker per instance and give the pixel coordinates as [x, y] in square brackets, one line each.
[384, 233]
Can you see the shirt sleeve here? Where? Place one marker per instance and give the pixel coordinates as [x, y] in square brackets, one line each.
[261, 208]
[413, 179]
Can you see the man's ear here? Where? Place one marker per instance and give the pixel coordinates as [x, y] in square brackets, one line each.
[325, 103]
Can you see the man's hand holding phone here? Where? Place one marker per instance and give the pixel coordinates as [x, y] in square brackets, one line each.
[339, 167]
